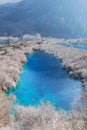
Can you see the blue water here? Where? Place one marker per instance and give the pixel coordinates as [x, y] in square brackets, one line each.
[43, 78]
[82, 46]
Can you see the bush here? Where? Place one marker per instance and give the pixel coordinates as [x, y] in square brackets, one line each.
[44, 117]
[5, 109]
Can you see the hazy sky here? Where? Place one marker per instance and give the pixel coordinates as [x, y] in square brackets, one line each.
[8, 1]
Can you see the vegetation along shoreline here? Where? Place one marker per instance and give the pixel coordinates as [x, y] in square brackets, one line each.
[12, 57]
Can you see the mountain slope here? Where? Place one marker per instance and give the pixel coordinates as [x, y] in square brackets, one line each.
[59, 18]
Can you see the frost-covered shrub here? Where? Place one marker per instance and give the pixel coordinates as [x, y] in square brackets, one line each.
[5, 109]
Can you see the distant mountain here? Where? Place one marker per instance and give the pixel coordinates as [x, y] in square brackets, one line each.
[57, 18]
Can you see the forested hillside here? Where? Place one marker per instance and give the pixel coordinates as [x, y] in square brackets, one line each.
[57, 18]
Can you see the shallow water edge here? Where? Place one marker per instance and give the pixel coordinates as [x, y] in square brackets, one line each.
[41, 78]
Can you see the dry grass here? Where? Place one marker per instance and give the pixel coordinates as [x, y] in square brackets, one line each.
[5, 109]
[44, 117]
[11, 59]
[74, 60]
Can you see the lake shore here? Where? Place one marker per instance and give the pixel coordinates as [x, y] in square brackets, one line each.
[13, 56]
[73, 59]
[11, 60]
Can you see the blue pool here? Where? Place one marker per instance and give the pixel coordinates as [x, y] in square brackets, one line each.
[43, 78]
[82, 46]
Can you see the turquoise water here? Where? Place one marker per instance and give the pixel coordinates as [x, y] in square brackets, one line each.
[82, 46]
[43, 78]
